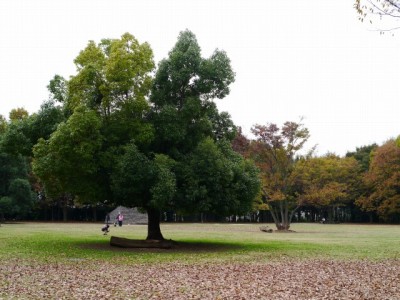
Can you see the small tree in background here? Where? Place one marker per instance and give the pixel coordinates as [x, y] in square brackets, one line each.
[274, 152]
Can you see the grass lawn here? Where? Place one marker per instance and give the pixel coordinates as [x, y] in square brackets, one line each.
[210, 261]
[201, 242]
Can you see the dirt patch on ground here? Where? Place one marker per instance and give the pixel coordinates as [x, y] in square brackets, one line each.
[314, 279]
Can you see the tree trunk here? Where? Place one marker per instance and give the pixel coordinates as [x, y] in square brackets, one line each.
[274, 216]
[153, 227]
[286, 220]
[283, 222]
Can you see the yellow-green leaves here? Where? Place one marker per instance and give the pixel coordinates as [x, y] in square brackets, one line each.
[111, 74]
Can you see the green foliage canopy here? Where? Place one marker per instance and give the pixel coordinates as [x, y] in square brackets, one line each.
[66, 162]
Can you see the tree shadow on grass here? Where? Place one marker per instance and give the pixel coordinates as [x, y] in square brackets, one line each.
[178, 247]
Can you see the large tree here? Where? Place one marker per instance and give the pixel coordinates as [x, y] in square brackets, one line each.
[274, 151]
[201, 171]
[143, 149]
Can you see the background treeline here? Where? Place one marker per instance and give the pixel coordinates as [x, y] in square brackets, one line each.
[123, 132]
[362, 186]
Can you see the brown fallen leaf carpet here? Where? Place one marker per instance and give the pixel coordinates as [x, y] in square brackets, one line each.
[316, 279]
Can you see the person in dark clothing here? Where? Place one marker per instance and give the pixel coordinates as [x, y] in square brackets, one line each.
[105, 229]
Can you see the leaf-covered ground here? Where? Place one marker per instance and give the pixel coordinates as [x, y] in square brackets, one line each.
[306, 279]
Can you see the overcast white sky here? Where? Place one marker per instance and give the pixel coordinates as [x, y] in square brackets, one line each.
[309, 58]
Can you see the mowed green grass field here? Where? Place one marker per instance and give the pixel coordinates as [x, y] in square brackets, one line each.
[209, 261]
[199, 242]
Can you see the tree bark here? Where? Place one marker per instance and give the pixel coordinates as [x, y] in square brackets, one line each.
[274, 217]
[282, 223]
[279, 222]
[292, 213]
[153, 227]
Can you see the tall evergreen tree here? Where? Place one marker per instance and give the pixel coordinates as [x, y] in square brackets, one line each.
[201, 171]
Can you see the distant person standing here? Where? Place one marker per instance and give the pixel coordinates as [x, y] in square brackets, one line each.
[107, 221]
[120, 218]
